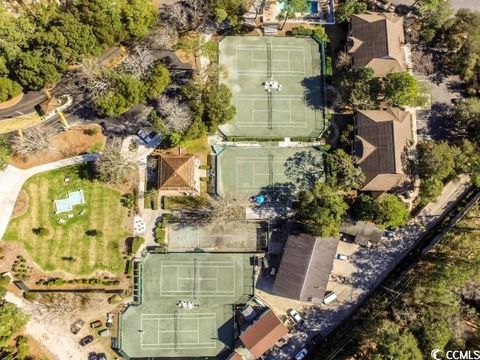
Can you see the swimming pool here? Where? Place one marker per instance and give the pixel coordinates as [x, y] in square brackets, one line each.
[312, 5]
[73, 198]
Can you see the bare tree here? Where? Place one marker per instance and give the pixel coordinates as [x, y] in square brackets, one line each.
[112, 167]
[96, 80]
[164, 37]
[187, 15]
[214, 212]
[139, 61]
[175, 115]
[34, 140]
[343, 60]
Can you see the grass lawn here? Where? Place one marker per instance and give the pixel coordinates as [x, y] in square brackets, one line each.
[103, 211]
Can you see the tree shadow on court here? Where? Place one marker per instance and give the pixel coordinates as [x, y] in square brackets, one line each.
[313, 91]
[304, 168]
[280, 193]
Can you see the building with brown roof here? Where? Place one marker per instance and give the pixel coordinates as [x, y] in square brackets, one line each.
[381, 142]
[376, 41]
[305, 267]
[263, 334]
[178, 173]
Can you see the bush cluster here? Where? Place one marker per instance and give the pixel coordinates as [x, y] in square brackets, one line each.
[106, 281]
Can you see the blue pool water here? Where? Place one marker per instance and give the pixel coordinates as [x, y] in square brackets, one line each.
[313, 7]
[74, 198]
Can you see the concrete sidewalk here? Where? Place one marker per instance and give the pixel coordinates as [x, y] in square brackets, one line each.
[12, 180]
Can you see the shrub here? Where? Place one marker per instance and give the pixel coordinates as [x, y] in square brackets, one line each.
[9, 89]
[91, 131]
[3, 291]
[115, 299]
[137, 241]
[94, 232]
[128, 200]
[41, 231]
[30, 296]
[4, 280]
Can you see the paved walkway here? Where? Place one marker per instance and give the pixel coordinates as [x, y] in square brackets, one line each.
[369, 267]
[12, 180]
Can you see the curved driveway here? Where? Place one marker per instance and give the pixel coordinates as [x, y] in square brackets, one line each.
[12, 180]
[26, 106]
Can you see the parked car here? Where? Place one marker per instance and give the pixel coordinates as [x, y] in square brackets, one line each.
[95, 324]
[92, 356]
[330, 296]
[104, 332]
[102, 356]
[389, 234]
[86, 340]
[295, 316]
[301, 354]
[76, 326]
[341, 257]
[146, 136]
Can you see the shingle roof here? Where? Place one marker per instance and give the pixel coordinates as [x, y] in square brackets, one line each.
[376, 41]
[305, 267]
[381, 139]
[176, 172]
[263, 334]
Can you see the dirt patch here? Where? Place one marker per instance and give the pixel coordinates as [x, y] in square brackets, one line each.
[21, 205]
[75, 141]
[186, 58]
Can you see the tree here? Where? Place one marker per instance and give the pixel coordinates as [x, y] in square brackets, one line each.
[360, 89]
[402, 89]
[35, 70]
[461, 39]
[214, 212]
[9, 89]
[187, 15]
[304, 168]
[112, 167]
[94, 79]
[157, 81]
[176, 115]
[208, 100]
[197, 45]
[4, 153]
[343, 172]
[175, 139]
[321, 210]
[126, 92]
[105, 17]
[292, 7]
[11, 320]
[393, 212]
[34, 140]
[349, 8]
[80, 39]
[388, 211]
[467, 119]
[229, 11]
[393, 343]
[139, 61]
[138, 16]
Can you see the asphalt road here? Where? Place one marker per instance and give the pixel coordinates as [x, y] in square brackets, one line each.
[25, 106]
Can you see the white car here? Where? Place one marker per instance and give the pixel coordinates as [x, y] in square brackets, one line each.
[295, 316]
[301, 354]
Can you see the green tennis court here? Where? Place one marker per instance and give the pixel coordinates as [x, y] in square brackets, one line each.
[246, 171]
[187, 305]
[291, 106]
